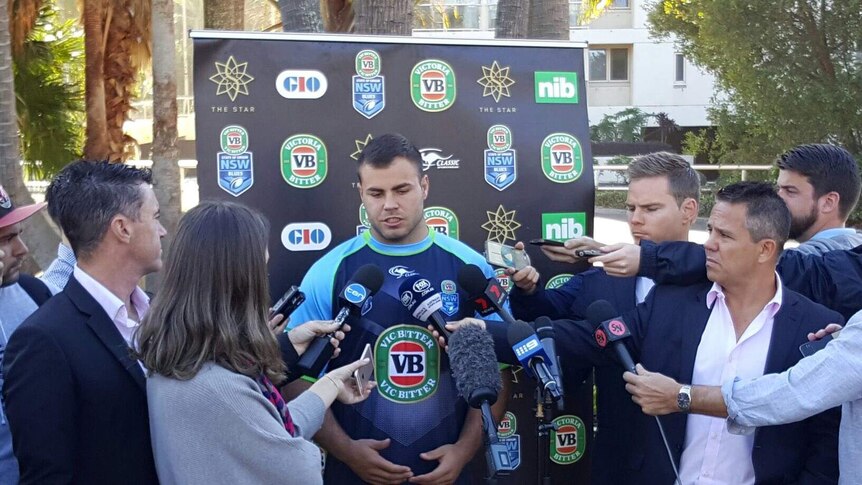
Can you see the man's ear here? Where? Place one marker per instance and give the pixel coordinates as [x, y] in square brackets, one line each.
[768, 250]
[425, 184]
[829, 203]
[120, 228]
[689, 208]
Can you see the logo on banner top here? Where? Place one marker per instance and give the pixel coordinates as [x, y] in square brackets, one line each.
[556, 87]
[231, 78]
[495, 81]
[369, 95]
[233, 140]
[442, 220]
[406, 364]
[368, 63]
[306, 236]
[562, 158]
[562, 226]
[432, 85]
[501, 225]
[431, 158]
[558, 281]
[303, 161]
[568, 442]
[499, 138]
[301, 84]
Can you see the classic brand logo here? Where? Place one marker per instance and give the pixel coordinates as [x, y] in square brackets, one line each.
[303, 161]
[433, 158]
[301, 84]
[568, 441]
[407, 364]
[562, 158]
[432, 85]
[562, 226]
[306, 236]
[401, 272]
[556, 87]
[442, 220]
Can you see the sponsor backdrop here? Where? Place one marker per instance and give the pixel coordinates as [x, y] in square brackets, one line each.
[502, 127]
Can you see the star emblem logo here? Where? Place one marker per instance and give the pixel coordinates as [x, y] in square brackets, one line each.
[501, 225]
[231, 78]
[496, 81]
[360, 145]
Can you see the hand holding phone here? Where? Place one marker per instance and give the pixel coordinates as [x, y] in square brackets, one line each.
[285, 305]
[505, 256]
[546, 242]
[365, 373]
[587, 253]
[811, 348]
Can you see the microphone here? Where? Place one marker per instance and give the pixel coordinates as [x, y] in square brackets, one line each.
[485, 293]
[545, 332]
[418, 295]
[611, 330]
[366, 281]
[477, 378]
[530, 353]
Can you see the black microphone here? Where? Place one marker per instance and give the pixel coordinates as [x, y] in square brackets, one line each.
[611, 330]
[531, 354]
[477, 378]
[366, 281]
[486, 293]
[545, 332]
[418, 295]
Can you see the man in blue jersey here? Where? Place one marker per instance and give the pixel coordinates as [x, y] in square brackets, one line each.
[414, 427]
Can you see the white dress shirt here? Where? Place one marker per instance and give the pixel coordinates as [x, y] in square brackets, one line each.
[113, 306]
[711, 454]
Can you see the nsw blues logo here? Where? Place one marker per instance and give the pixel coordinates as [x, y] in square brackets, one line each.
[449, 295]
[500, 168]
[235, 172]
[369, 95]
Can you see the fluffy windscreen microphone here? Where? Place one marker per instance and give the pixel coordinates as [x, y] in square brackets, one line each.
[474, 365]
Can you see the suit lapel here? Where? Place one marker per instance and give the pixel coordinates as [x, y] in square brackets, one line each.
[785, 335]
[692, 328]
[105, 331]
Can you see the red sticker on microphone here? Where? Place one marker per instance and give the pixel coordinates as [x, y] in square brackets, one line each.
[601, 338]
[617, 328]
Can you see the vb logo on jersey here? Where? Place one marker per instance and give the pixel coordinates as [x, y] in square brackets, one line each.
[406, 364]
[449, 295]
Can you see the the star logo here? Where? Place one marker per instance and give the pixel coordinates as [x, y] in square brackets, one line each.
[231, 78]
[501, 225]
[496, 81]
[360, 145]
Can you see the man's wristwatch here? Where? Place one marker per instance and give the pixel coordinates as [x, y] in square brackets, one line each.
[683, 399]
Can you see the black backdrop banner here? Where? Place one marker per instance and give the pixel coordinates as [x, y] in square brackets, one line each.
[503, 131]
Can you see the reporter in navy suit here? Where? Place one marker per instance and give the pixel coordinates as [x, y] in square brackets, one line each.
[745, 323]
[75, 399]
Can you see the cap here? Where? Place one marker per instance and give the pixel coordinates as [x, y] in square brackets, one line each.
[9, 214]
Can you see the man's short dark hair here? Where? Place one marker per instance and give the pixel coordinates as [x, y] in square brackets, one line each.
[56, 192]
[828, 168]
[90, 195]
[767, 216]
[683, 181]
[381, 151]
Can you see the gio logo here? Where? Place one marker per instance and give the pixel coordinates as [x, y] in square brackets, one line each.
[295, 84]
[432, 85]
[306, 236]
[562, 158]
[303, 161]
[355, 293]
[556, 87]
[568, 441]
[406, 364]
[561, 226]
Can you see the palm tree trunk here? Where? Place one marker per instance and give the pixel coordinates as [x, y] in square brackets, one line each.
[512, 19]
[549, 19]
[166, 172]
[384, 17]
[300, 16]
[225, 14]
[41, 238]
[96, 146]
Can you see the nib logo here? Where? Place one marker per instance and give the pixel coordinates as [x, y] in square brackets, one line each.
[556, 87]
[561, 226]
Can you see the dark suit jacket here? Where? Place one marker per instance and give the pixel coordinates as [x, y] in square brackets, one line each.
[615, 411]
[666, 331]
[75, 399]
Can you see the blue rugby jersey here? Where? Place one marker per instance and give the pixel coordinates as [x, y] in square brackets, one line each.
[415, 403]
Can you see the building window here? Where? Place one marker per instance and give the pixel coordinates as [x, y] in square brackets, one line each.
[609, 64]
[680, 69]
[620, 4]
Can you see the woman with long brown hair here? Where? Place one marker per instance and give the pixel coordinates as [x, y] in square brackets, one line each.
[216, 415]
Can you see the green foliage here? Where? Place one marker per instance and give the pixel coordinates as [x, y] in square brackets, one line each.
[790, 72]
[49, 80]
[624, 126]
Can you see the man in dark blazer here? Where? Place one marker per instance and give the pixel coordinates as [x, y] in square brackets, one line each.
[75, 397]
[744, 321]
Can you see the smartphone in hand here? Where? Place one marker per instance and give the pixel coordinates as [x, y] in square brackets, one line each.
[288, 303]
[365, 373]
[546, 242]
[505, 256]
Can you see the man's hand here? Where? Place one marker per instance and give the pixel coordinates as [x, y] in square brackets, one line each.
[620, 259]
[277, 323]
[453, 327]
[830, 329]
[566, 253]
[451, 462]
[526, 278]
[655, 393]
[302, 335]
[365, 461]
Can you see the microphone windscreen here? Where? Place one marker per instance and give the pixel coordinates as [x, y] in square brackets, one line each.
[599, 311]
[472, 279]
[518, 331]
[544, 327]
[369, 276]
[473, 361]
